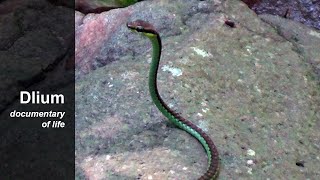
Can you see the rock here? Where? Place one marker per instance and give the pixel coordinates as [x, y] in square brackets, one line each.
[250, 3]
[305, 40]
[36, 40]
[304, 11]
[33, 39]
[10, 6]
[9, 31]
[248, 87]
[98, 6]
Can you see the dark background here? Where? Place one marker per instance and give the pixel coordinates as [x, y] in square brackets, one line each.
[36, 54]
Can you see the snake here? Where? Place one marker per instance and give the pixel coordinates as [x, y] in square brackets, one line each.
[148, 30]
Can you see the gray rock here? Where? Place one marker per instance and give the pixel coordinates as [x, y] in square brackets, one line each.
[305, 40]
[248, 87]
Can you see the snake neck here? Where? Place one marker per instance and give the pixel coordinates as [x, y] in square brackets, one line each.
[153, 88]
[156, 54]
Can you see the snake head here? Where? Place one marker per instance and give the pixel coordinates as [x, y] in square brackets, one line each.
[142, 27]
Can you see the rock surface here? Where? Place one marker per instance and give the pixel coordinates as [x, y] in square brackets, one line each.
[305, 40]
[34, 41]
[97, 6]
[304, 11]
[253, 88]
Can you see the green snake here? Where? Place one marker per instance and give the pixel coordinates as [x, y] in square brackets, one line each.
[149, 31]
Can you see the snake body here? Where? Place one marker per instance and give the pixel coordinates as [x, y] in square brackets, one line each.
[149, 31]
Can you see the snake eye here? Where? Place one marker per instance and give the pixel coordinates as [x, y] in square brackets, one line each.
[139, 28]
